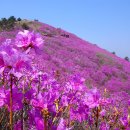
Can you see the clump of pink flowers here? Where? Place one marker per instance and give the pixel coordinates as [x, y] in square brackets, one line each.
[36, 100]
[28, 40]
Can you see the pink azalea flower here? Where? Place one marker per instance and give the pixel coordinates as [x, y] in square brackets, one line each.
[91, 98]
[5, 98]
[124, 121]
[39, 123]
[12, 59]
[1, 61]
[28, 39]
[39, 102]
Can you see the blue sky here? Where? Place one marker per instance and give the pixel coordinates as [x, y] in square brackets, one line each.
[102, 22]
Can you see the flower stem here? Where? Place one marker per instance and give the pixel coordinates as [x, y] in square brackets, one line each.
[11, 103]
[45, 123]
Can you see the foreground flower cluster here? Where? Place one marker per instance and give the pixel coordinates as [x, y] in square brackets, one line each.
[35, 100]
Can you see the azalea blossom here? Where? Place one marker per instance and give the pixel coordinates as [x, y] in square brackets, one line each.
[27, 39]
[91, 98]
[124, 121]
[12, 59]
[5, 98]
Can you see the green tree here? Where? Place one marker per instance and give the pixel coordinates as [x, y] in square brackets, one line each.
[12, 19]
[11, 22]
[19, 19]
[127, 58]
[4, 22]
[36, 20]
[113, 53]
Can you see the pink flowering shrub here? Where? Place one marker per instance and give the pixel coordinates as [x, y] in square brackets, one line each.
[32, 98]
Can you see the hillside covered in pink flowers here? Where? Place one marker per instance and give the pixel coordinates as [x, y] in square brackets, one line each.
[68, 55]
[61, 81]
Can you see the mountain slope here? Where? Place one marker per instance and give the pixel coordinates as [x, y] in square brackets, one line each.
[68, 55]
